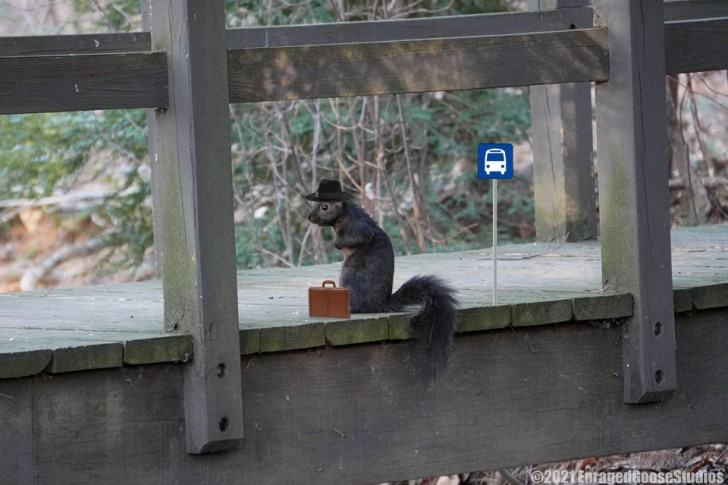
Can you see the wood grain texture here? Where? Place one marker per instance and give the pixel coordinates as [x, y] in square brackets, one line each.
[19, 360]
[408, 29]
[166, 348]
[633, 192]
[193, 215]
[86, 82]
[16, 439]
[348, 332]
[564, 193]
[602, 307]
[53, 45]
[696, 46]
[132, 315]
[564, 188]
[676, 10]
[484, 318]
[541, 313]
[276, 339]
[262, 74]
[355, 415]
[710, 296]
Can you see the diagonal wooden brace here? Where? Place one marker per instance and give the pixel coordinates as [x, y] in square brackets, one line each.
[633, 192]
[193, 214]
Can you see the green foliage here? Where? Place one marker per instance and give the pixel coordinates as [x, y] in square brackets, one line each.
[43, 152]
[280, 150]
[49, 154]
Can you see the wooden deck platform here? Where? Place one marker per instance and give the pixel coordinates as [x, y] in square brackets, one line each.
[64, 330]
[316, 410]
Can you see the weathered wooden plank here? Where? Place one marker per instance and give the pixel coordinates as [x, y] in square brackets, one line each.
[484, 318]
[694, 9]
[193, 215]
[54, 45]
[87, 82]
[408, 29]
[541, 313]
[249, 341]
[530, 273]
[168, 348]
[398, 327]
[682, 300]
[69, 352]
[16, 439]
[82, 355]
[355, 415]
[602, 307]
[710, 296]
[561, 114]
[25, 352]
[263, 74]
[696, 46]
[277, 339]
[22, 360]
[348, 332]
[564, 195]
[633, 192]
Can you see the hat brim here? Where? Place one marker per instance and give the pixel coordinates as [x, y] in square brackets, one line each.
[337, 197]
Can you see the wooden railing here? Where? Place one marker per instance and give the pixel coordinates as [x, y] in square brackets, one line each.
[188, 68]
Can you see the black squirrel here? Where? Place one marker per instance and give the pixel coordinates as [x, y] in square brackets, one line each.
[368, 272]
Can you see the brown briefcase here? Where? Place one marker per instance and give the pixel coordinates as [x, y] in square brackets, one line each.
[328, 302]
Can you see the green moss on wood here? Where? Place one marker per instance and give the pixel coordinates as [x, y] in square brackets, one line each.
[249, 341]
[167, 348]
[710, 296]
[484, 318]
[86, 357]
[276, 339]
[346, 332]
[603, 306]
[541, 313]
[682, 300]
[23, 363]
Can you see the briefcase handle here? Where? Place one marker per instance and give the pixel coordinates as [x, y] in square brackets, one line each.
[330, 282]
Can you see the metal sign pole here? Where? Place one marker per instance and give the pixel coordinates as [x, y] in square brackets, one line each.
[495, 242]
[495, 161]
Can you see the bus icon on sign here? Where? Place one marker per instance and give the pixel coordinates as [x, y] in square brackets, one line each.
[495, 161]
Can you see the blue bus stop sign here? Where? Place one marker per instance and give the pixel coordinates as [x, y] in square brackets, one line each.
[495, 161]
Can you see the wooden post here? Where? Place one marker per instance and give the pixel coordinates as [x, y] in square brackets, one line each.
[193, 214]
[633, 192]
[561, 121]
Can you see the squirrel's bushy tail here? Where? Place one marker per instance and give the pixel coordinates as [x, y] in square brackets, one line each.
[433, 325]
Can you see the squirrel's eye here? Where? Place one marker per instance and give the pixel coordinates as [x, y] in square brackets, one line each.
[324, 207]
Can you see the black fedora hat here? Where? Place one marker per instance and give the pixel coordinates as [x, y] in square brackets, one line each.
[328, 191]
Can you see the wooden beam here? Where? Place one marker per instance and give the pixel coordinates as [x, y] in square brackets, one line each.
[264, 74]
[56, 45]
[409, 29]
[561, 122]
[16, 443]
[193, 215]
[355, 414]
[694, 9]
[134, 78]
[696, 46]
[87, 82]
[633, 192]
